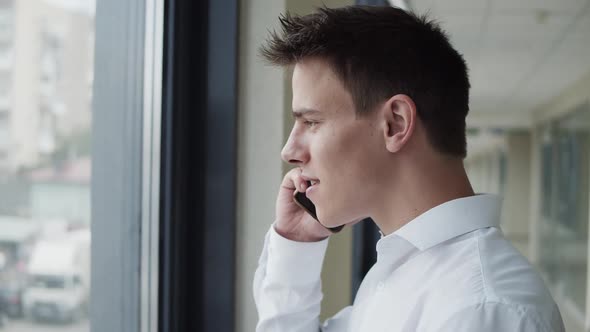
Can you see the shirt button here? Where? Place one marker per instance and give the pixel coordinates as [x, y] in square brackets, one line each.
[380, 286]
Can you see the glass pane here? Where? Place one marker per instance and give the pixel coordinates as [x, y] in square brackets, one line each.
[564, 201]
[46, 72]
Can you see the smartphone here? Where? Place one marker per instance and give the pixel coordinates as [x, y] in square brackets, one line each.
[306, 204]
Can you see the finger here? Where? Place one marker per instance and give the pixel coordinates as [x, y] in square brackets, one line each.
[302, 185]
[290, 180]
[300, 182]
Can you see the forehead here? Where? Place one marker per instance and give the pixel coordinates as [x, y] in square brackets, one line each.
[316, 86]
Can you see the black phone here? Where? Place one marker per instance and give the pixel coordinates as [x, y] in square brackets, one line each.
[306, 204]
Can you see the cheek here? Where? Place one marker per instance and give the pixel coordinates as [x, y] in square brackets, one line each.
[327, 148]
[368, 170]
[348, 150]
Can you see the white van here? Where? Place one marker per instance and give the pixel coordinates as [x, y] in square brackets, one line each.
[59, 278]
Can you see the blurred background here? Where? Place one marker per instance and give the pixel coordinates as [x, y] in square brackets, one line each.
[153, 128]
[46, 75]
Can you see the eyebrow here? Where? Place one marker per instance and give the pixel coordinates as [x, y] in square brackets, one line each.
[301, 111]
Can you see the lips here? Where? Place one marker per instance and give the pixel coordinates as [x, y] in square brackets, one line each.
[310, 181]
[312, 186]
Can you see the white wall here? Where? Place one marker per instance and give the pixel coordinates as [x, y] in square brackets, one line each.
[53, 200]
[515, 210]
[260, 137]
[265, 120]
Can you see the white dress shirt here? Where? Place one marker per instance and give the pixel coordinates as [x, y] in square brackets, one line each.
[450, 269]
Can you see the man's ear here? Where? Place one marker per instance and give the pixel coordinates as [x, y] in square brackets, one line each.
[400, 120]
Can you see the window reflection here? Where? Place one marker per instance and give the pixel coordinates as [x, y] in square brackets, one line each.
[564, 204]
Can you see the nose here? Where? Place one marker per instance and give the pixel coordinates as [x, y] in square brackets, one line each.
[295, 151]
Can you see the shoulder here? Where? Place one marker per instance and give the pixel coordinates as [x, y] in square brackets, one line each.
[505, 291]
[507, 275]
[499, 316]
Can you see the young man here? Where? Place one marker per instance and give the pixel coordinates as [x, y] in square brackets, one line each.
[380, 99]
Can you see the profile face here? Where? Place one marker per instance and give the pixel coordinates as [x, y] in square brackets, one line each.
[342, 155]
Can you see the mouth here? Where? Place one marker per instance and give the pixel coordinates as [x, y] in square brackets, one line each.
[312, 186]
[310, 181]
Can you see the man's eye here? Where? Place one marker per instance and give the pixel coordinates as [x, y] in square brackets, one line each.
[310, 123]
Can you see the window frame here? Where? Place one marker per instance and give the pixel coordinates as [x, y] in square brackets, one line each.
[199, 166]
[117, 156]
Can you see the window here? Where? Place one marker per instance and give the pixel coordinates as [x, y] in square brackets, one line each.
[79, 189]
[45, 174]
[564, 204]
[48, 281]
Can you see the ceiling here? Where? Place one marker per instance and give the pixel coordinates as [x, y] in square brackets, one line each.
[521, 53]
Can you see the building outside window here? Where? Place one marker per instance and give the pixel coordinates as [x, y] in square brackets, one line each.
[46, 55]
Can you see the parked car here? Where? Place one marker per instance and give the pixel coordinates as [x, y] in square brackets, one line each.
[11, 293]
[59, 278]
[1, 316]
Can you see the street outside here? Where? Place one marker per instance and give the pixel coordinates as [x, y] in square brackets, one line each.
[45, 163]
[28, 326]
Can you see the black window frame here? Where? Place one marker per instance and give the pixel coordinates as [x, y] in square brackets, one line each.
[198, 166]
[195, 218]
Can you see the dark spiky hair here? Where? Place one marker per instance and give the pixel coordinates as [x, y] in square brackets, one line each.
[378, 52]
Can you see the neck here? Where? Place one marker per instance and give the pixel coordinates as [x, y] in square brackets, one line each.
[419, 189]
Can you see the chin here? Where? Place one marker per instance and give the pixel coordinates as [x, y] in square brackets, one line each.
[335, 220]
[329, 221]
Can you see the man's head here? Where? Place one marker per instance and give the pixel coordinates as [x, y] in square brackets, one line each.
[379, 52]
[369, 83]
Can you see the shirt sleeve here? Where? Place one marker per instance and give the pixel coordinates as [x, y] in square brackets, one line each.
[287, 287]
[497, 316]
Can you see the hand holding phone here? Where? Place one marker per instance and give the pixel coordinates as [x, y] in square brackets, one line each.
[297, 220]
[306, 204]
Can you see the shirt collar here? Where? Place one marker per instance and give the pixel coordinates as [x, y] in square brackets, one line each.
[448, 220]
